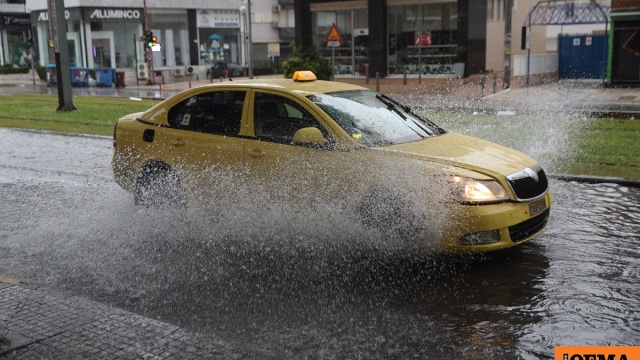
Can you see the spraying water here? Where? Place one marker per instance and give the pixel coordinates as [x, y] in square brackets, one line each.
[304, 280]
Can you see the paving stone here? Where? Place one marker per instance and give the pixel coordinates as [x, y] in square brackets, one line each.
[44, 324]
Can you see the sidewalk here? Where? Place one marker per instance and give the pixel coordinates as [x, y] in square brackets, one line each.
[44, 324]
[474, 94]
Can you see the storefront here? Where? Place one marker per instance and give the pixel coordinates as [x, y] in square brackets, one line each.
[170, 27]
[352, 23]
[420, 35]
[96, 37]
[625, 48]
[219, 36]
[15, 30]
[113, 36]
[40, 20]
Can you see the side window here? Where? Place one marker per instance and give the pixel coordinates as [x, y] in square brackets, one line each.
[277, 118]
[216, 112]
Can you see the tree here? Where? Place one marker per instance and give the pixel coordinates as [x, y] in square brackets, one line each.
[308, 59]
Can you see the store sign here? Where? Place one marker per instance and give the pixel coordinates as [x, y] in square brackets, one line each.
[97, 14]
[69, 14]
[219, 19]
[15, 20]
[44, 16]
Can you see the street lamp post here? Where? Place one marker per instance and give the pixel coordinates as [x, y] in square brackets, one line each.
[246, 8]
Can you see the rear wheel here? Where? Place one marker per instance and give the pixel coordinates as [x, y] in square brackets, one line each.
[158, 186]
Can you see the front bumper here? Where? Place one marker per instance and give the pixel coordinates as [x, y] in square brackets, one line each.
[511, 220]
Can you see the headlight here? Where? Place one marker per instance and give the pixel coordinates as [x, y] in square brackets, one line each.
[478, 191]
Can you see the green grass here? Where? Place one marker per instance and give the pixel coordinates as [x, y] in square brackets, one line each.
[563, 144]
[94, 115]
[608, 147]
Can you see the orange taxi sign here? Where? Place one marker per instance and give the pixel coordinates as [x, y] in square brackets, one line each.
[333, 38]
[304, 75]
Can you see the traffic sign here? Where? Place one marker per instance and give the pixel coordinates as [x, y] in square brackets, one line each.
[333, 38]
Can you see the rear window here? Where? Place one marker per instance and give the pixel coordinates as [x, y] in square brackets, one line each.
[215, 112]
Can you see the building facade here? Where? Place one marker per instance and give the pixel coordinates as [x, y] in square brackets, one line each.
[433, 37]
[191, 33]
[15, 33]
[624, 45]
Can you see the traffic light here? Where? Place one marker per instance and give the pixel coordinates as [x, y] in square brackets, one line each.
[150, 39]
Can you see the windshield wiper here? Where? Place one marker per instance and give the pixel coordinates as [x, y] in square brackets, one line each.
[390, 105]
[410, 111]
[390, 100]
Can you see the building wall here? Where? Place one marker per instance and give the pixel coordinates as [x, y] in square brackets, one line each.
[495, 45]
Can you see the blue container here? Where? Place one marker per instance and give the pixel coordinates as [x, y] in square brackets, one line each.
[79, 76]
[105, 77]
[52, 75]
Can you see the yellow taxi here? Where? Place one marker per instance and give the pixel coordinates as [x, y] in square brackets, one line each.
[306, 142]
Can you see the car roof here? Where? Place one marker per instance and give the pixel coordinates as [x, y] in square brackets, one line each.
[304, 88]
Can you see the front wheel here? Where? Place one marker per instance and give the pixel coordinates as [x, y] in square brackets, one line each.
[159, 186]
[387, 212]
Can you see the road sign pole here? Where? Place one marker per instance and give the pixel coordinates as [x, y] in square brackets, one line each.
[333, 63]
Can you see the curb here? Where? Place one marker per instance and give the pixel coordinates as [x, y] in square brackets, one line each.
[596, 179]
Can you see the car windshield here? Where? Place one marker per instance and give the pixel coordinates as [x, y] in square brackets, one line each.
[373, 119]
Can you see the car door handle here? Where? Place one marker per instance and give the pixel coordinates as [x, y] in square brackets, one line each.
[177, 142]
[256, 153]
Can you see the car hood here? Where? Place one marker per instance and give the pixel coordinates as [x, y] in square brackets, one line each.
[468, 153]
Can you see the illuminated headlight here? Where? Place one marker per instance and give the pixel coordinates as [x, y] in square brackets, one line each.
[478, 191]
[479, 238]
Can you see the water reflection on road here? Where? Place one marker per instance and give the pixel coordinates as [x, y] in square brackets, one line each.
[66, 225]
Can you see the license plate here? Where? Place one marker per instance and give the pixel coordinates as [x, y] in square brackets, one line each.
[537, 207]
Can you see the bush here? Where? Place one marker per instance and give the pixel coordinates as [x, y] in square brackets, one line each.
[263, 70]
[42, 72]
[8, 69]
[308, 59]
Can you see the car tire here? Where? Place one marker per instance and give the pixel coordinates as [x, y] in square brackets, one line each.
[387, 212]
[159, 186]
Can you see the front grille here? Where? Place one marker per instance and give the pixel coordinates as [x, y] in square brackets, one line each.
[525, 186]
[526, 229]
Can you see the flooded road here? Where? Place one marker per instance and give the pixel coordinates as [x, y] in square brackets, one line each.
[305, 290]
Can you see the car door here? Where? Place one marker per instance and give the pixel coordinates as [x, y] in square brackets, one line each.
[281, 171]
[204, 142]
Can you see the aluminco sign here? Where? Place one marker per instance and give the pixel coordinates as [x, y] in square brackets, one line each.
[130, 14]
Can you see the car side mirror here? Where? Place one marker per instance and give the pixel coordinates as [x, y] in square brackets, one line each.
[308, 136]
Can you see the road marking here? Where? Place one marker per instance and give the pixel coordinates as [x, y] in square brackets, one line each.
[9, 280]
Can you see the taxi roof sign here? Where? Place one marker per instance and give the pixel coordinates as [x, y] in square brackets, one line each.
[304, 75]
[333, 38]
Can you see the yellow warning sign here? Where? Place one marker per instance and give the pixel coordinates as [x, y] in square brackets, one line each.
[333, 39]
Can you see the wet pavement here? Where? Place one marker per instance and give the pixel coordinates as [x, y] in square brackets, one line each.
[151, 284]
[466, 95]
[100, 278]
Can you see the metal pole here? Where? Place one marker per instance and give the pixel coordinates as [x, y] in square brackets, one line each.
[250, 40]
[495, 82]
[507, 44]
[606, 44]
[33, 59]
[63, 67]
[377, 82]
[333, 63]
[420, 44]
